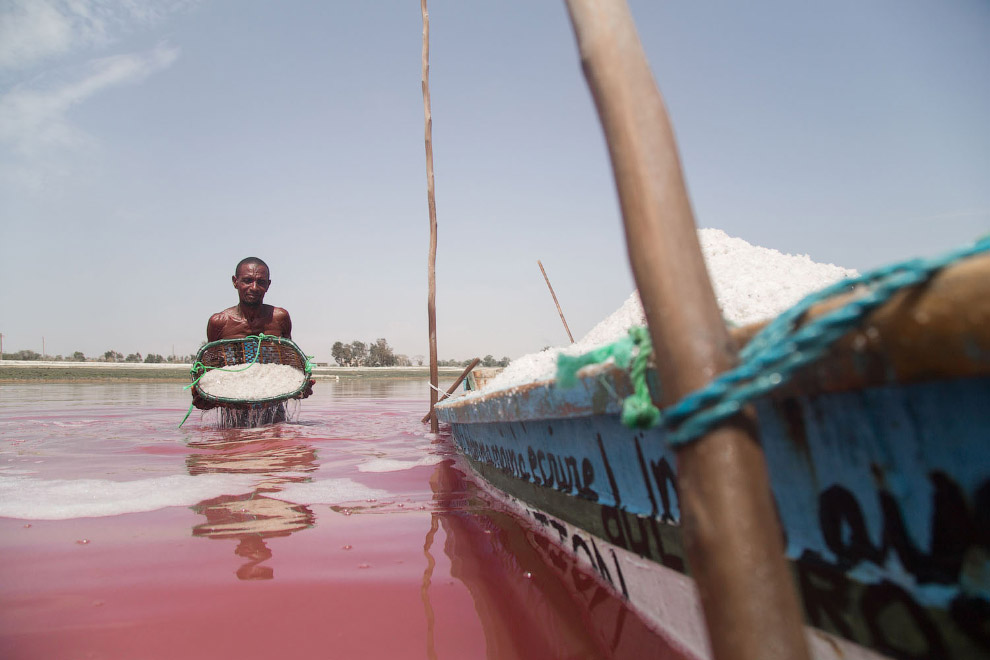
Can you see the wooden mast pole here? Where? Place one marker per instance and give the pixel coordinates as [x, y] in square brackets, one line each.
[732, 536]
[431, 305]
[559, 310]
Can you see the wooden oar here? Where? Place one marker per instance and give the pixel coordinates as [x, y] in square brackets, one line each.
[450, 390]
[731, 533]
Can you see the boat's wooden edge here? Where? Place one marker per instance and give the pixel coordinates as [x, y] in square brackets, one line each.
[937, 330]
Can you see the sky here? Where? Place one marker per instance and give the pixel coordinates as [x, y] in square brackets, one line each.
[146, 146]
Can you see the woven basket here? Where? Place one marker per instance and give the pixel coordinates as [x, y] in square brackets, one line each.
[230, 352]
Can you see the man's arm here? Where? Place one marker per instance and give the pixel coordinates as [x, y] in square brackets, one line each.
[281, 317]
[214, 327]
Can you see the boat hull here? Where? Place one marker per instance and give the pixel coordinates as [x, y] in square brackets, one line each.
[883, 493]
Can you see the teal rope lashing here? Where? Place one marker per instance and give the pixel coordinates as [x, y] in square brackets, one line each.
[773, 356]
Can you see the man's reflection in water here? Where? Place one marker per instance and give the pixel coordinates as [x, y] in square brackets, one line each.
[278, 458]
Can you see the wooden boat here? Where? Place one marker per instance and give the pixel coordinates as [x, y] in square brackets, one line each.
[879, 459]
[837, 509]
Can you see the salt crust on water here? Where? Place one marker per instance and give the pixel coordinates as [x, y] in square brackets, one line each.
[252, 382]
[329, 491]
[64, 499]
[393, 465]
[751, 284]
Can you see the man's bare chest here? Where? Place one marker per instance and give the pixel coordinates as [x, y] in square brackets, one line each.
[234, 326]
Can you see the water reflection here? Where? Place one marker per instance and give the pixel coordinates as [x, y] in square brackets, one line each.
[279, 457]
[377, 388]
[531, 600]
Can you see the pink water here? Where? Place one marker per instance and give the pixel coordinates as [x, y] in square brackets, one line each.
[281, 560]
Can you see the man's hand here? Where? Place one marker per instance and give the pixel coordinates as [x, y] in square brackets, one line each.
[308, 390]
[200, 402]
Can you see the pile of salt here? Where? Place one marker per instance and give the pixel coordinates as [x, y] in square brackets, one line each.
[255, 382]
[751, 284]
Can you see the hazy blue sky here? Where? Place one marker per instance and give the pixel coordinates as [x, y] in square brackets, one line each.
[147, 145]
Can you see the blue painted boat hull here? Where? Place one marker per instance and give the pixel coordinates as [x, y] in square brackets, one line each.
[883, 493]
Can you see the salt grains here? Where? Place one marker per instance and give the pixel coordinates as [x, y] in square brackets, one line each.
[254, 382]
[751, 284]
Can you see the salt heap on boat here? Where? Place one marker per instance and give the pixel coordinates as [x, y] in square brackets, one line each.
[751, 284]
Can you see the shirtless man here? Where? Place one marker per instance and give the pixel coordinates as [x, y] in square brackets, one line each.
[250, 316]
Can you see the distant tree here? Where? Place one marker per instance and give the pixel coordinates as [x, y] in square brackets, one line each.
[78, 356]
[133, 357]
[488, 361]
[402, 361]
[418, 360]
[112, 356]
[154, 358]
[342, 353]
[380, 354]
[504, 362]
[359, 354]
[24, 355]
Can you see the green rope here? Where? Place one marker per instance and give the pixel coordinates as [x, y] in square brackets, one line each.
[638, 410]
[569, 365]
[188, 412]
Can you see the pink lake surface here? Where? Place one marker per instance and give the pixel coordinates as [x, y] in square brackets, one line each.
[349, 533]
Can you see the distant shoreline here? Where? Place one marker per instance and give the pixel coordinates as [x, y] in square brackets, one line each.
[21, 371]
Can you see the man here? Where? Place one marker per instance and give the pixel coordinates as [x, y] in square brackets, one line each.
[250, 316]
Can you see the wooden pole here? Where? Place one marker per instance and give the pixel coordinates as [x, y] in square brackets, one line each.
[450, 390]
[731, 533]
[559, 310]
[431, 305]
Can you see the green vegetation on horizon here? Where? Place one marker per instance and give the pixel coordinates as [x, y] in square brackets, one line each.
[355, 354]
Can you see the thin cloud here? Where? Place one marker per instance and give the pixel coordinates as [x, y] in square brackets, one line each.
[35, 123]
[33, 31]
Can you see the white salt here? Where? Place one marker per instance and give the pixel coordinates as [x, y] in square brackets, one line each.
[253, 382]
[751, 284]
[329, 491]
[61, 499]
[395, 465]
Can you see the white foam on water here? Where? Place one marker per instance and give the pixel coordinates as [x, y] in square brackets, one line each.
[252, 382]
[329, 491]
[394, 465]
[751, 284]
[58, 499]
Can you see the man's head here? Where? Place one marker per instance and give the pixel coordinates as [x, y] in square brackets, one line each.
[251, 279]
